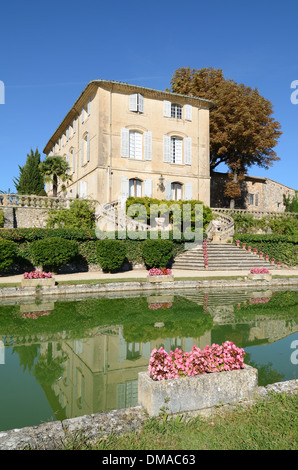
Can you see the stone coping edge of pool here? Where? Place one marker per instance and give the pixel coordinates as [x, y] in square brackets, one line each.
[141, 286]
[52, 435]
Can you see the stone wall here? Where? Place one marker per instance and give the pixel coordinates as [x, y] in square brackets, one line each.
[256, 193]
[25, 217]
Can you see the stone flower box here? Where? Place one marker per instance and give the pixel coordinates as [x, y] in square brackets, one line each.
[161, 278]
[43, 282]
[197, 392]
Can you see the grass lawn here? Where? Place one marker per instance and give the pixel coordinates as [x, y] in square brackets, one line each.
[266, 425]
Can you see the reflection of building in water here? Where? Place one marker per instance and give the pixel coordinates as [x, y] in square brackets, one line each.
[101, 371]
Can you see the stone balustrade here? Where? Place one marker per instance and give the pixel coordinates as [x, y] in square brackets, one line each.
[38, 202]
[257, 214]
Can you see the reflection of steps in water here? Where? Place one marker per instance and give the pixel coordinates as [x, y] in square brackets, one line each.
[222, 297]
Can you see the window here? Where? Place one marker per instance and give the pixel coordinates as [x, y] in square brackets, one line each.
[73, 153]
[250, 199]
[176, 191]
[82, 189]
[176, 111]
[85, 149]
[85, 112]
[135, 188]
[176, 150]
[135, 145]
[132, 144]
[136, 103]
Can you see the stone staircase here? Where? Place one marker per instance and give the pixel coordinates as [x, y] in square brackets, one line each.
[221, 257]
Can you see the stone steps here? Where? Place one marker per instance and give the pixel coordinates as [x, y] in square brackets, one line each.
[221, 257]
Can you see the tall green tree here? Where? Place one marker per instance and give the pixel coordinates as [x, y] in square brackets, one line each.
[30, 180]
[55, 167]
[243, 131]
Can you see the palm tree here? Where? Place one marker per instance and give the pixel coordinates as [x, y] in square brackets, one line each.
[55, 167]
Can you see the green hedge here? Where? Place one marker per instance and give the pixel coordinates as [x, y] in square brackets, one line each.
[148, 202]
[52, 253]
[8, 252]
[111, 254]
[157, 253]
[87, 243]
[282, 248]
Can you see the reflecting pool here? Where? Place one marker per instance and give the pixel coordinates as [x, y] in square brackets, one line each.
[67, 357]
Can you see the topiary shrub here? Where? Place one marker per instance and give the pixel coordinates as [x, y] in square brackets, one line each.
[8, 251]
[52, 253]
[157, 253]
[110, 254]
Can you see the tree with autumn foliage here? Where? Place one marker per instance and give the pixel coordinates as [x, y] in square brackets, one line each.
[243, 131]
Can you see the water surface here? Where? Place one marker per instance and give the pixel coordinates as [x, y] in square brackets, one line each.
[62, 358]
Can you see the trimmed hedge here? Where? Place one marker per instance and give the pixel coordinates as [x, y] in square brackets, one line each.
[282, 248]
[111, 254]
[54, 252]
[87, 243]
[8, 252]
[157, 253]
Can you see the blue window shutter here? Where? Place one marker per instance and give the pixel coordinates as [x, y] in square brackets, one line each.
[88, 147]
[124, 142]
[166, 148]
[148, 145]
[82, 152]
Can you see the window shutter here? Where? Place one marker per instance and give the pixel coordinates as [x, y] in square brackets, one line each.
[188, 191]
[148, 145]
[84, 188]
[148, 188]
[166, 148]
[187, 151]
[82, 152]
[74, 126]
[168, 190]
[133, 102]
[124, 190]
[73, 161]
[88, 107]
[67, 134]
[167, 108]
[68, 161]
[82, 115]
[188, 112]
[124, 142]
[88, 148]
[141, 103]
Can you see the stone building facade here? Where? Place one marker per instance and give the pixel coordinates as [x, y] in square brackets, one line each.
[124, 140]
[257, 193]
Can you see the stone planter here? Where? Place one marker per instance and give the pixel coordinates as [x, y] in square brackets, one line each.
[260, 277]
[44, 282]
[161, 278]
[196, 393]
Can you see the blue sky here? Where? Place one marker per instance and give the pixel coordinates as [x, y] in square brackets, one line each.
[49, 51]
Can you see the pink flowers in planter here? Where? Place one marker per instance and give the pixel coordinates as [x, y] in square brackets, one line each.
[215, 358]
[159, 272]
[259, 271]
[37, 275]
[163, 305]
